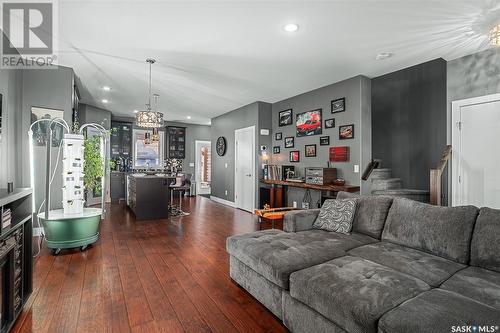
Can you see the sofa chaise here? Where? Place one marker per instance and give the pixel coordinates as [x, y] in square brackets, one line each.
[405, 267]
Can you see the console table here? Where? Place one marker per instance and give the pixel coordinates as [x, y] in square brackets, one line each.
[279, 188]
[16, 256]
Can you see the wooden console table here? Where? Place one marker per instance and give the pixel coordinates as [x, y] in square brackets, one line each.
[279, 190]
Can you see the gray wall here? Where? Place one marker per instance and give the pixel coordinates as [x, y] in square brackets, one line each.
[47, 88]
[256, 114]
[91, 114]
[357, 94]
[409, 121]
[10, 88]
[471, 76]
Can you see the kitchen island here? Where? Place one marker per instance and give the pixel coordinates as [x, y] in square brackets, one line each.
[148, 196]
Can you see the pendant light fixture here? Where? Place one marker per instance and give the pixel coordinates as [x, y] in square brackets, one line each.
[149, 118]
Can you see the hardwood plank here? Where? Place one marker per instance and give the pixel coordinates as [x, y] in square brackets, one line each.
[148, 276]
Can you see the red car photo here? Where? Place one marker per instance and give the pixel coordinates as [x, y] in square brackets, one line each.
[309, 123]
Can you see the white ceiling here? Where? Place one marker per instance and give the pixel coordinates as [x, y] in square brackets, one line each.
[217, 56]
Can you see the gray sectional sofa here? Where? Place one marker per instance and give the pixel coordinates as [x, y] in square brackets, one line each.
[406, 267]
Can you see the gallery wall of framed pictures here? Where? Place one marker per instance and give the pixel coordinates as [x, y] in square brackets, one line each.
[313, 133]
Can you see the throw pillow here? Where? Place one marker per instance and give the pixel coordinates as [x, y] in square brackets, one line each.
[336, 215]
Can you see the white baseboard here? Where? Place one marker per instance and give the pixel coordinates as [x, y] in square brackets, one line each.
[222, 201]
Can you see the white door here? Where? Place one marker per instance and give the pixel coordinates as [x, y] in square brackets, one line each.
[244, 172]
[203, 167]
[476, 153]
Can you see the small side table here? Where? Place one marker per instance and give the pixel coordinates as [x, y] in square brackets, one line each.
[273, 214]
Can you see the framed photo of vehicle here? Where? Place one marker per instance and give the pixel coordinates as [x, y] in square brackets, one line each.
[285, 117]
[330, 123]
[289, 142]
[338, 105]
[309, 123]
[346, 132]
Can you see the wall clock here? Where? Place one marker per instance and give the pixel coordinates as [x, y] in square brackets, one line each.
[221, 146]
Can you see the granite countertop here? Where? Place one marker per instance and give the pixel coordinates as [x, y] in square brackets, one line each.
[136, 176]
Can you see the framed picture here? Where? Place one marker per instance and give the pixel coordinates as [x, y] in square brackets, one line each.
[276, 150]
[346, 132]
[310, 151]
[289, 142]
[339, 154]
[330, 123]
[324, 141]
[278, 136]
[309, 123]
[338, 105]
[295, 156]
[285, 117]
[40, 129]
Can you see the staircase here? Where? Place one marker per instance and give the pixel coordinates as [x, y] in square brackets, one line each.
[384, 184]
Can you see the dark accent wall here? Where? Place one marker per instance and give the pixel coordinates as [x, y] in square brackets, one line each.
[357, 93]
[409, 121]
[257, 114]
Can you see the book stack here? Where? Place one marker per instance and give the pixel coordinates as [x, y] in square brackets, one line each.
[272, 172]
[6, 218]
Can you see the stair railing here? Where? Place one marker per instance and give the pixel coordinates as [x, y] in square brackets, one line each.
[436, 177]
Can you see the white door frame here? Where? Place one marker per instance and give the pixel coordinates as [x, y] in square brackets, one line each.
[456, 141]
[236, 189]
[197, 163]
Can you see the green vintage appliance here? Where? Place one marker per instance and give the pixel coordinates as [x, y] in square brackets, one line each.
[73, 226]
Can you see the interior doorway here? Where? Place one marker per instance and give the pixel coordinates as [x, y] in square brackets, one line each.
[476, 158]
[203, 168]
[244, 168]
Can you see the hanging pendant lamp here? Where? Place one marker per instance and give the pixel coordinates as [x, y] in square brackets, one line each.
[149, 118]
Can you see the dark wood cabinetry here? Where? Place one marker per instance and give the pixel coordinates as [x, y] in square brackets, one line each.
[121, 140]
[16, 254]
[176, 142]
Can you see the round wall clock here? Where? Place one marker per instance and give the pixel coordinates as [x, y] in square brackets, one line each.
[221, 146]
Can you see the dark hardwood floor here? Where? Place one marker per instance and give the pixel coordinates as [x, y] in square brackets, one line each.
[152, 276]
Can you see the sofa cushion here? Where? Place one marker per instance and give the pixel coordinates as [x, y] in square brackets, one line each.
[438, 311]
[371, 213]
[353, 292]
[477, 283]
[443, 231]
[427, 267]
[485, 246]
[336, 216]
[276, 254]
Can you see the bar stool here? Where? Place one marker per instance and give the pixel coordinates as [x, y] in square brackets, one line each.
[179, 186]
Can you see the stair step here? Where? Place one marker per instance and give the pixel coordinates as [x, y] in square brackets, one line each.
[379, 184]
[417, 195]
[383, 173]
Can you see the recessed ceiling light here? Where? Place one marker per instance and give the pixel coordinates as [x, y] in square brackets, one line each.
[188, 117]
[135, 111]
[106, 88]
[291, 27]
[104, 101]
[384, 55]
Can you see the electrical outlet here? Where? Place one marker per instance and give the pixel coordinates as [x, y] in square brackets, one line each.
[356, 168]
[225, 192]
[225, 165]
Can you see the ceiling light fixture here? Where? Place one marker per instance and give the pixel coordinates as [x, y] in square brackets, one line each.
[188, 117]
[135, 111]
[495, 35]
[106, 88]
[384, 55]
[149, 118]
[291, 27]
[104, 101]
